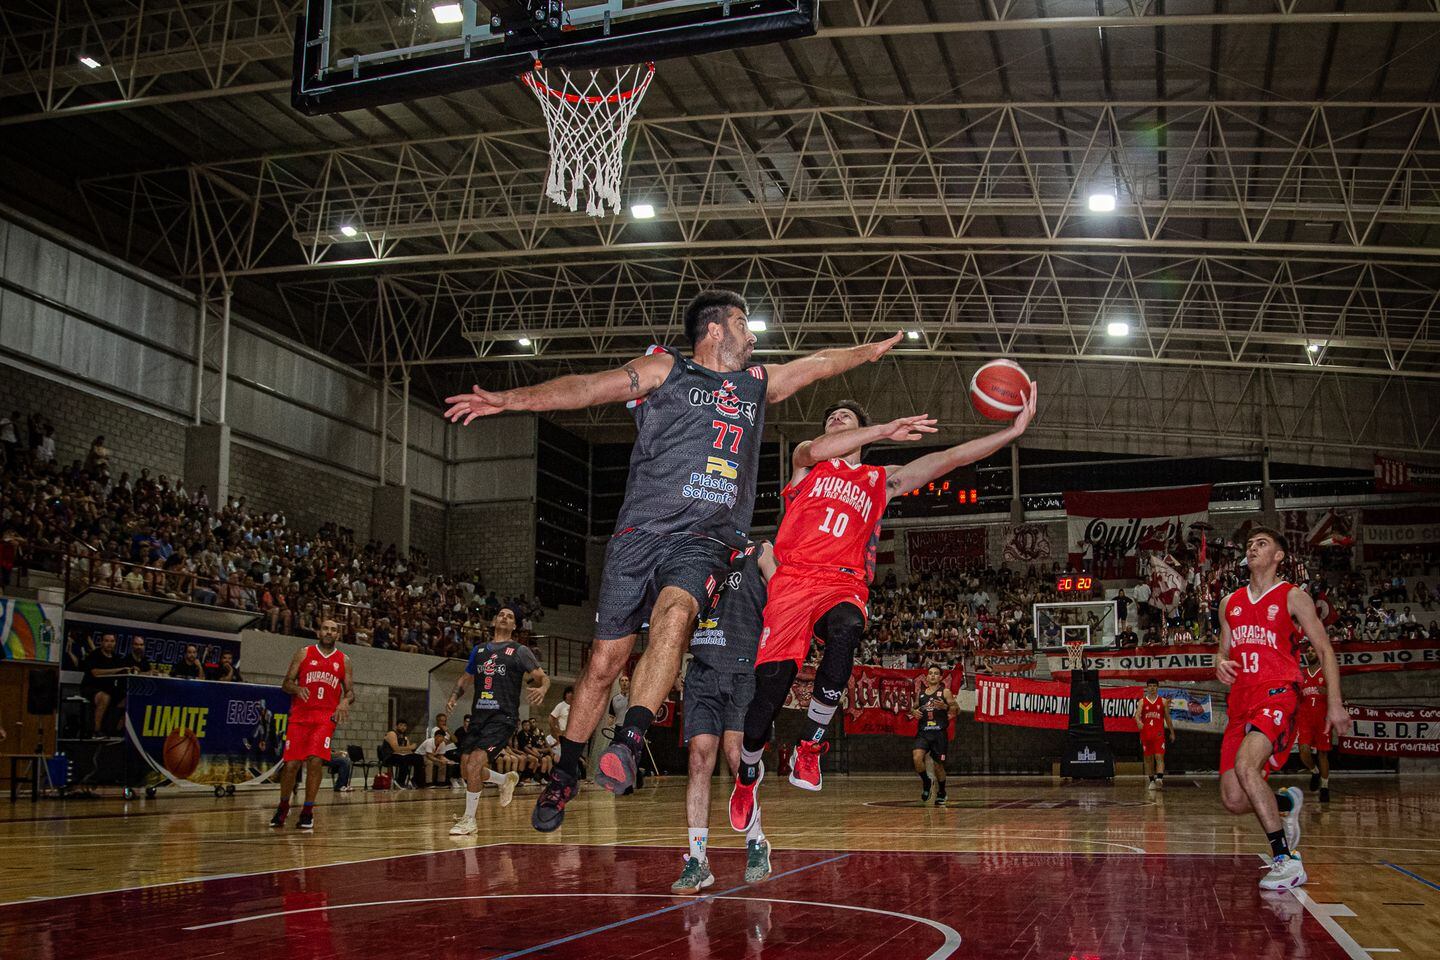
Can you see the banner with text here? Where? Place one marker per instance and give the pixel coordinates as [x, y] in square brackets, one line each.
[164, 646]
[879, 700]
[1196, 661]
[950, 550]
[196, 732]
[1401, 476]
[1393, 732]
[1020, 702]
[1122, 524]
[1386, 532]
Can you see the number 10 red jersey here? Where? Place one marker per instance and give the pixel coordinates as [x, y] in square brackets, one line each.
[832, 518]
[1263, 638]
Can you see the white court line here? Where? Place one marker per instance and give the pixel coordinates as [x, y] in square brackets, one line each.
[1324, 914]
[951, 935]
[253, 873]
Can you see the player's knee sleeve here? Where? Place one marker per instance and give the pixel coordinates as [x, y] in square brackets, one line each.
[842, 630]
[772, 684]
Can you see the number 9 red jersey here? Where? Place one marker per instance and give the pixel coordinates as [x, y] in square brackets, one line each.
[324, 678]
[1263, 637]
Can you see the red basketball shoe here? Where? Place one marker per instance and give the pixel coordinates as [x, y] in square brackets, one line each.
[806, 774]
[745, 803]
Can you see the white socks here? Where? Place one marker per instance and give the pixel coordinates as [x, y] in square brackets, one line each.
[698, 838]
[472, 800]
[495, 777]
[754, 833]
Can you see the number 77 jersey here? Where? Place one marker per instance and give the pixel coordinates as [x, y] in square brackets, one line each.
[832, 519]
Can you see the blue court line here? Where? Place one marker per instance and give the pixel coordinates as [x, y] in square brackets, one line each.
[1413, 876]
[655, 913]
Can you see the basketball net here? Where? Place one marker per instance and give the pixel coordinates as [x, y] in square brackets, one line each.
[1076, 651]
[587, 114]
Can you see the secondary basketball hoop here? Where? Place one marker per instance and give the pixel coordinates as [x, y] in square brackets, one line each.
[588, 114]
[1075, 652]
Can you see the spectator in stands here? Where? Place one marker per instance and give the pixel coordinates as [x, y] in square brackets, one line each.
[190, 667]
[560, 715]
[137, 661]
[398, 753]
[226, 671]
[101, 683]
[436, 768]
[10, 439]
[341, 765]
[45, 452]
[97, 461]
[1122, 609]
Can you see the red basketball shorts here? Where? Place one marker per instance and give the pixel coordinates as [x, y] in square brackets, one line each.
[1152, 742]
[1268, 710]
[307, 737]
[797, 599]
[1312, 730]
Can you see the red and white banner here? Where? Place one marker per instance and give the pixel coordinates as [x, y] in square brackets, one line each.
[1385, 532]
[1196, 661]
[1123, 523]
[1167, 585]
[1026, 543]
[879, 700]
[950, 550]
[1399, 476]
[1005, 662]
[1393, 732]
[1046, 703]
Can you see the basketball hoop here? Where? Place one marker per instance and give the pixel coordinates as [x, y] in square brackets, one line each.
[1075, 649]
[587, 115]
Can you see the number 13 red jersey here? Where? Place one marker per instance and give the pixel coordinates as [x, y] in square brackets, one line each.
[832, 518]
[1263, 638]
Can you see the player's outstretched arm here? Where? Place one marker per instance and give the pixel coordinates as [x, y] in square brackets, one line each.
[1302, 608]
[539, 686]
[786, 378]
[630, 382]
[830, 445]
[917, 473]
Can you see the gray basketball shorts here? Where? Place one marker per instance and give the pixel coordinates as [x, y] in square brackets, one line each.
[639, 564]
[715, 700]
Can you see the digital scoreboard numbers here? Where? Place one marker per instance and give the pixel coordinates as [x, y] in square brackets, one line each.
[1074, 584]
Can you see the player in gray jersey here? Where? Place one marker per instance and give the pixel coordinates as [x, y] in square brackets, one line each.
[719, 683]
[934, 707]
[688, 501]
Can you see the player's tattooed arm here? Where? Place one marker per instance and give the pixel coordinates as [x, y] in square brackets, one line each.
[459, 691]
[574, 392]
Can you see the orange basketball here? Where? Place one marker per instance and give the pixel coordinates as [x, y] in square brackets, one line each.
[999, 390]
[181, 754]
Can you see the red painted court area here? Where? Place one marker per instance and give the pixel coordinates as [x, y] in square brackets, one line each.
[511, 901]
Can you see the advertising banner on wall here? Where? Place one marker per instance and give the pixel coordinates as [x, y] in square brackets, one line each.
[1026, 543]
[164, 646]
[880, 700]
[200, 733]
[948, 550]
[31, 631]
[1393, 732]
[1386, 532]
[1196, 661]
[1020, 702]
[1401, 476]
[1122, 524]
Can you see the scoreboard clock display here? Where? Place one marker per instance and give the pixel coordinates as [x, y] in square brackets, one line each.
[1075, 584]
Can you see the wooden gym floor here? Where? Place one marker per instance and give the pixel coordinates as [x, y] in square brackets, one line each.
[1011, 869]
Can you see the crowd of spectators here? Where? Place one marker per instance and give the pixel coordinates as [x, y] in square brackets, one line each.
[149, 534]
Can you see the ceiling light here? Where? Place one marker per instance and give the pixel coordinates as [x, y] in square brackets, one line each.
[348, 230]
[523, 341]
[1102, 202]
[1313, 347]
[642, 211]
[913, 334]
[756, 326]
[1118, 328]
[90, 62]
[447, 13]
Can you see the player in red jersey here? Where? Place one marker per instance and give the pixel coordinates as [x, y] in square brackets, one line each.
[1259, 645]
[1152, 716]
[1314, 735]
[825, 551]
[321, 684]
